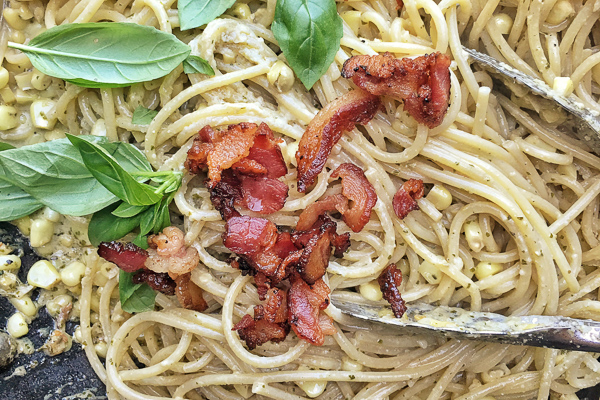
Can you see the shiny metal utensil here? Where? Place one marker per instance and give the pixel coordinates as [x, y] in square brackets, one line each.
[532, 330]
[586, 127]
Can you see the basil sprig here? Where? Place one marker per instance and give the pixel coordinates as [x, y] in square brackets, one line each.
[195, 13]
[135, 297]
[105, 54]
[143, 116]
[308, 33]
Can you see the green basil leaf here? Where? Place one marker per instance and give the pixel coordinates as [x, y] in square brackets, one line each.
[143, 116]
[163, 216]
[141, 241]
[105, 168]
[6, 146]
[308, 33]
[106, 227]
[96, 85]
[197, 65]
[148, 219]
[125, 210]
[195, 13]
[54, 174]
[15, 203]
[135, 297]
[103, 54]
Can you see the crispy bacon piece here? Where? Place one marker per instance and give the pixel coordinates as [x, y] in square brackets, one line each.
[126, 256]
[389, 280]
[357, 188]
[267, 152]
[198, 154]
[422, 83]
[310, 215]
[234, 146]
[269, 322]
[305, 304]
[225, 194]
[263, 195]
[158, 281]
[326, 129]
[189, 294]
[316, 243]
[319, 227]
[405, 198]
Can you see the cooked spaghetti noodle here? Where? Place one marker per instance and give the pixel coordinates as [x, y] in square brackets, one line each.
[510, 222]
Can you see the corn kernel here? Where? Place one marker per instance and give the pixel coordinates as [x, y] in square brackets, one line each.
[560, 12]
[3, 77]
[77, 335]
[485, 269]
[71, 274]
[43, 274]
[430, 272]
[8, 281]
[13, 19]
[41, 232]
[349, 364]
[241, 11]
[40, 111]
[39, 80]
[502, 23]
[24, 80]
[312, 389]
[10, 262]
[55, 305]
[99, 128]
[563, 85]
[371, 291]
[440, 197]
[281, 76]
[17, 326]
[24, 305]
[24, 224]
[101, 349]
[7, 96]
[474, 235]
[8, 118]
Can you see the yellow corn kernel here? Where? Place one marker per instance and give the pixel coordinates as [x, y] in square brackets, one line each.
[8, 118]
[50, 214]
[430, 272]
[281, 76]
[101, 349]
[3, 77]
[43, 274]
[24, 97]
[24, 80]
[563, 85]
[13, 19]
[9, 262]
[560, 12]
[17, 37]
[440, 197]
[99, 128]
[24, 305]
[241, 11]
[371, 291]
[474, 235]
[349, 364]
[8, 281]
[41, 232]
[502, 23]
[485, 269]
[59, 302]
[24, 224]
[40, 81]
[8, 97]
[40, 114]
[77, 336]
[17, 326]
[71, 274]
[312, 389]
[352, 18]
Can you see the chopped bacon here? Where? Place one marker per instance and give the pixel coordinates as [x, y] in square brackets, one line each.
[326, 129]
[389, 280]
[305, 304]
[203, 144]
[267, 152]
[357, 188]
[126, 256]
[319, 227]
[158, 281]
[422, 83]
[269, 322]
[405, 198]
[310, 215]
[263, 195]
[234, 146]
[225, 194]
[189, 294]
[399, 4]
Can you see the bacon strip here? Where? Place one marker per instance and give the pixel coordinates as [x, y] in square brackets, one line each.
[305, 303]
[158, 281]
[357, 188]
[389, 280]
[269, 322]
[326, 129]
[126, 256]
[310, 215]
[405, 198]
[189, 294]
[422, 83]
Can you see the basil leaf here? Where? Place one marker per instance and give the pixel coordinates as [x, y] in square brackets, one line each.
[143, 116]
[195, 13]
[135, 297]
[105, 54]
[125, 210]
[309, 33]
[114, 177]
[106, 227]
[148, 219]
[141, 241]
[6, 146]
[197, 65]
[54, 174]
[163, 216]
[15, 203]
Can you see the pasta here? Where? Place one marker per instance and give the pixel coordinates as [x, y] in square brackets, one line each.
[509, 222]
